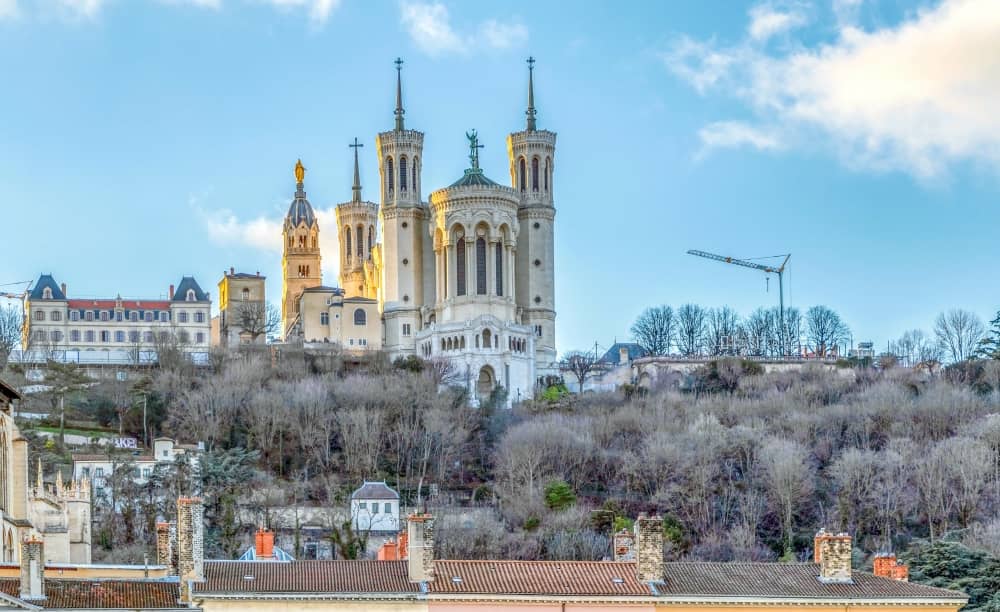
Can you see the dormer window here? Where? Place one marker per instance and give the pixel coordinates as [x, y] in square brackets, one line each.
[190, 295]
[47, 293]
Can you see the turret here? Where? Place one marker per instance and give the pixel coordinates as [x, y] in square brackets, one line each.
[357, 222]
[301, 257]
[531, 154]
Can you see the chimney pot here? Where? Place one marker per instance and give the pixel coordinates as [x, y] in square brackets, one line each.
[420, 547]
[170, 295]
[833, 553]
[264, 541]
[33, 567]
[649, 548]
[887, 566]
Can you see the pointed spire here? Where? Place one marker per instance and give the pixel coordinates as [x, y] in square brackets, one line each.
[399, 95]
[356, 197]
[38, 476]
[531, 95]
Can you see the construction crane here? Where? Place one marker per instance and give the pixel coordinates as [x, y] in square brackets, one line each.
[780, 271]
[16, 296]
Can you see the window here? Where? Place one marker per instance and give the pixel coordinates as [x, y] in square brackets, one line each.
[363, 505]
[414, 184]
[105, 335]
[359, 239]
[39, 315]
[324, 318]
[99, 472]
[402, 173]
[182, 317]
[199, 337]
[165, 316]
[371, 240]
[41, 335]
[538, 331]
[481, 266]
[190, 295]
[534, 174]
[499, 270]
[548, 164]
[133, 315]
[119, 315]
[199, 317]
[522, 179]
[147, 337]
[47, 293]
[74, 335]
[406, 329]
[90, 315]
[347, 241]
[57, 336]
[388, 508]
[74, 315]
[56, 315]
[148, 316]
[119, 336]
[360, 318]
[390, 172]
[164, 336]
[245, 294]
[146, 472]
[133, 337]
[184, 337]
[375, 505]
[460, 266]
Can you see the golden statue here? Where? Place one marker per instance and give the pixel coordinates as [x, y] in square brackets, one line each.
[300, 172]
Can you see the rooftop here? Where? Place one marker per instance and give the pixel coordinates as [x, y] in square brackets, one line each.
[100, 594]
[374, 490]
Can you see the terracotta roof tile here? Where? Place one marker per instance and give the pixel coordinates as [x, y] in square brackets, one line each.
[306, 577]
[115, 594]
[537, 578]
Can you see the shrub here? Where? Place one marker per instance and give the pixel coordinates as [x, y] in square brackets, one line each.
[559, 495]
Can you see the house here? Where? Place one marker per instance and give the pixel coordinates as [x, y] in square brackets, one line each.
[98, 469]
[375, 507]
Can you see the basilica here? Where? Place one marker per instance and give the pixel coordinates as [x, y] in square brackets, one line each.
[464, 277]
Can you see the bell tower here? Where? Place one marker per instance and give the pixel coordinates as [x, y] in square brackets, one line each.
[357, 229]
[300, 260]
[532, 163]
[403, 218]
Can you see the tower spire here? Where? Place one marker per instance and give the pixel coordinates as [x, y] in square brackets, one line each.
[399, 95]
[357, 173]
[531, 112]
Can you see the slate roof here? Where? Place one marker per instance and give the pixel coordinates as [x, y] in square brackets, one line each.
[339, 576]
[188, 282]
[300, 210]
[100, 594]
[46, 280]
[558, 578]
[374, 490]
[613, 354]
[474, 177]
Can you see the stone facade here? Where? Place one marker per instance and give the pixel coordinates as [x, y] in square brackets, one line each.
[190, 543]
[833, 553]
[242, 299]
[33, 567]
[420, 547]
[649, 548]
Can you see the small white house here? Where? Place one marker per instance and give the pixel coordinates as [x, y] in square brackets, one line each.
[99, 468]
[375, 507]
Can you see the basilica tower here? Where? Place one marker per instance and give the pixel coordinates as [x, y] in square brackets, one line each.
[532, 154]
[356, 227]
[403, 219]
[300, 261]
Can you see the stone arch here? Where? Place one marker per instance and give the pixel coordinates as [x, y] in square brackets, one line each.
[402, 173]
[522, 171]
[390, 175]
[485, 383]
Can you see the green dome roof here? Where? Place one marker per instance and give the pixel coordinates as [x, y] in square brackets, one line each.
[474, 176]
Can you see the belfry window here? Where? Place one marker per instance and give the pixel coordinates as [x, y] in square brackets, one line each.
[359, 239]
[414, 183]
[360, 318]
[402, 173]
[347, 241]
[460, 266]
[390, 173]
[522, 179]
[499, 262]
[534, 174]
[480, 266]
[548, 170]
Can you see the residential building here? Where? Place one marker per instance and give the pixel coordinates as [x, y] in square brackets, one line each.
[134, 329]
[375, 507]
[242, 317]
[98, 469]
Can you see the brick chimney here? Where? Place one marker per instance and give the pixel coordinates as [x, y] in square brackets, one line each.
[33, 567]
[420, 547]
[63, 287]
[190, 544]
[833, 553]
[649, 548]
[166, 546]
[170, 295]
[264, 544]
[624, 545]
[886, 566]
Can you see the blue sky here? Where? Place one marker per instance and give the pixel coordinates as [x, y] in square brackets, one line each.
[145, 140]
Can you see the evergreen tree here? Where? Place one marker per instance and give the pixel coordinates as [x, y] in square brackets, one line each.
[989, 347]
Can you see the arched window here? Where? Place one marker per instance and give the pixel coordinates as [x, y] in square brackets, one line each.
[534, 174]
[548, 170]
[359, 239]
[347, 241]
[460, 266]
[371, 240]
[480, 266]
[190, 295]
[402, 173]
[416, 189]
[390, 173]
[522, 179]
[499, 262]
[360, 318]
[486, 339]
[47, 293]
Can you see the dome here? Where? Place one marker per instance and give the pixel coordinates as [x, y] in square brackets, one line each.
[474, 176]
[301, 210]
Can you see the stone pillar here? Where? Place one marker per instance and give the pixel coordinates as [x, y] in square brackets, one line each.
[190, 544]
[33, 567]
[649, 548]
[624, 545]
[833, 553]
[420, 547]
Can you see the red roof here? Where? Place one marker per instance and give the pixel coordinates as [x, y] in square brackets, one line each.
[97, 594]
[126, 304]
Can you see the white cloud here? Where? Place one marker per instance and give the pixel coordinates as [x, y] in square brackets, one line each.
[319, 10]
[731, 134]
[8, 9]
[429, 25]
[87, 9]
[766, 20]
[918, 96]
[209, 4]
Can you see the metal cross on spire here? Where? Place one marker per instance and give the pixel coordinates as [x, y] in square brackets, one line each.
[531, 112]
[399, 94]
[357, 174]
[474, 147]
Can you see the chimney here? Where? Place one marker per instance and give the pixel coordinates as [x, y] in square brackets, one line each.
[624, 545]
[63, 287]
[170, 295]
[264, 543]
[166, 546]
[649, 548]
[190, 544]
[33, 567]
[420, 547]
[232, 271]
[833, 553]
[886, 566]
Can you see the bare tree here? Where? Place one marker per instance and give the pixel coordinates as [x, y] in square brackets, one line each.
[825, 329]
[915, 347]
[442, 371]
[581, 364]
[787, 474]
[723, 324]
[786, 341]
[654, 329]
[958, 333]
[10, 331]
[756, 333]
[691, 321]
[258, 319]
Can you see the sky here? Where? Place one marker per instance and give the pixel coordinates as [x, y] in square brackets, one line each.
[144, 140]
